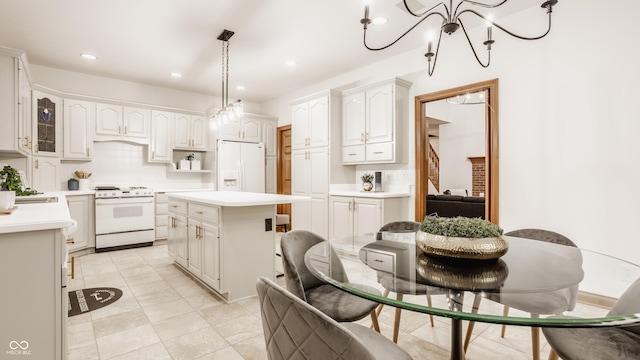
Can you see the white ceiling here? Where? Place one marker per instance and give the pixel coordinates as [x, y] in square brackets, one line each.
[145, 40]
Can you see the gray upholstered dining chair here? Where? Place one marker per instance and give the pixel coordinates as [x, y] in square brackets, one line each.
[337, 304]
[554, 302]
[601, 343]
[294, 329]
[398, 286]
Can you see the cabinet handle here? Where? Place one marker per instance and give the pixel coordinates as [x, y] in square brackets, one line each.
[36, 148]
[352, 154]
[355, 206]
[239, 136]
[36, 163]
[174, 206]
[125, 130]
[153, 154]
[378, 152]
[88, 153]
[119, 129]
[366, 137]
[199, 212]
[70, 241]
[73, 267]
[361, 137]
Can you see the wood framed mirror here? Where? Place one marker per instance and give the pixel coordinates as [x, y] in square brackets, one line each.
[422, 152]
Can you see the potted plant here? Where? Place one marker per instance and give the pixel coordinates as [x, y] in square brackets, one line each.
[461, 238]
[73, 184]
[11, 181]
[367, 181]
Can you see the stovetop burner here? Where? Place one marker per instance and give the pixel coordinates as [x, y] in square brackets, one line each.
[118, 192]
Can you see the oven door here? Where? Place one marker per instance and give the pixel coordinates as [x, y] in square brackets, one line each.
[124, 214]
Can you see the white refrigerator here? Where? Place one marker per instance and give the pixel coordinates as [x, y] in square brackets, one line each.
[240, 166]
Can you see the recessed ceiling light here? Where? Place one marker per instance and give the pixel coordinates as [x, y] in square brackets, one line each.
[88, 56]
[290, 62]
[176, 75]
[379, 20]
[240, 87]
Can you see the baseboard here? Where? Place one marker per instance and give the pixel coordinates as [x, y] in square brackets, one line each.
[601, 301]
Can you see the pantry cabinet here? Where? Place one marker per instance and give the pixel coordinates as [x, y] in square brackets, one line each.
[310, 178]
[375, 123]
[310, 123]
[79, 120]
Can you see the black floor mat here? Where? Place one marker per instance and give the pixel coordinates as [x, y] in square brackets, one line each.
[85, 300]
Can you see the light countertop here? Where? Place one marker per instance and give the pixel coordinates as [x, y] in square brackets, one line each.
[369, 194]
[237, 198]
[37, 216]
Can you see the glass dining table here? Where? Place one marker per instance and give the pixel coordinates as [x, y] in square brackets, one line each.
[542, 278]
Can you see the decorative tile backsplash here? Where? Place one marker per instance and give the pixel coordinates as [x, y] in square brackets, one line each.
[125, 164]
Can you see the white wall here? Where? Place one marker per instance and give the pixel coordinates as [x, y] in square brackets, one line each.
[568, 120]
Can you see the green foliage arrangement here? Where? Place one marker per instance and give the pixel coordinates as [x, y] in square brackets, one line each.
[460, 227]
[72, 180]
[11, 181]
[366, 177]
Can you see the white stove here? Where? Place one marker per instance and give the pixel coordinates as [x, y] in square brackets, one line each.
[107, 192]
[125, 217]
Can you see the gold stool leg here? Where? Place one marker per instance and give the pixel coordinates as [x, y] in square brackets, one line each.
[553, 355]
[474, 309]
[505, 312]
[396, 322]
[429, 305]
[374, 321]
[535, 340]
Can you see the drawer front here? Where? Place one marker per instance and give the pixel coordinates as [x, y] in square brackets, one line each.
[380, 152]
[162, 198]
[162, 209]
[381, 260]
[178, 207]
[208, 214]
[353, 154]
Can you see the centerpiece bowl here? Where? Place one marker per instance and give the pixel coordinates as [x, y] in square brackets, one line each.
[461, 238]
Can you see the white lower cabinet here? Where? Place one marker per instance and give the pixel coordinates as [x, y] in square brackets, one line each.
[226, 247]
[81, 209]
[194, 241]
[163, 222]
[45, 174]
[351, 216]
[178, 239]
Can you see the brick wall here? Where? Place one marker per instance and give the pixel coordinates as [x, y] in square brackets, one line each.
[478, 166]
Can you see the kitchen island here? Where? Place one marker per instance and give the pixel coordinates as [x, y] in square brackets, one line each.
[33, 306]
[225, 239]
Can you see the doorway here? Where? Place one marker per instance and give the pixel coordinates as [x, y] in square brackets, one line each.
[490, 87]
[284, 170]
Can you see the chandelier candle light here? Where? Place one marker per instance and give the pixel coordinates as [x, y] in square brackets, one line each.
[228, 111]
[451, 22]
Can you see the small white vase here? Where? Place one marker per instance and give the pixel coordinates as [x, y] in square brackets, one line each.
[83, 184]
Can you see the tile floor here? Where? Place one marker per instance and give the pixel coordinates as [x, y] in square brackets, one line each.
[164, 314]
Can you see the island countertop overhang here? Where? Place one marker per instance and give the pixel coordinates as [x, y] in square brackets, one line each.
[238, 198]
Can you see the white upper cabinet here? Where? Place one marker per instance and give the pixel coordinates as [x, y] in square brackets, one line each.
[247, 128]
[270, 137]
[373, 121]
[310, 123]
[160, 149]
[15, 104]
[79, 119]
[115, 122]
[47, 118]
[190, 132]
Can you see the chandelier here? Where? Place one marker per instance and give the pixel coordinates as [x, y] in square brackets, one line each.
[228, 111]
[452, 21]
